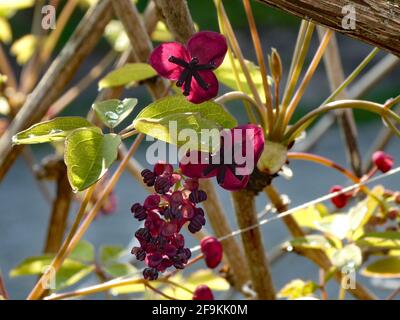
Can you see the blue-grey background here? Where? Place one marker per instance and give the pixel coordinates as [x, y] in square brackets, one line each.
[24, 213]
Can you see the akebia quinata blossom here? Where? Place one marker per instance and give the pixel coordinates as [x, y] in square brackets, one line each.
[232, 165]
[192, 66]
[164, 214]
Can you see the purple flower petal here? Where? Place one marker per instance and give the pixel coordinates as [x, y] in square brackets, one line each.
[199, 94]
[196, 168]
[159, 59]
[233, 183]
[208, 47]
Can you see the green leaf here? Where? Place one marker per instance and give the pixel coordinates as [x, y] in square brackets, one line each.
[113, 112]
[161, 33]
[84, 251]
[88, 155]
[5, 31]
[297, 288]
[337, 225]
[110, 253]
[8, 7]
[70, 272]
[118, 269]
[383, 268]
[52, 130]
[130, 72]
[175, 111]
[388, 240]
[348, 256]
[24, 48]
[308, 217]
[226, 75]
[314, 241]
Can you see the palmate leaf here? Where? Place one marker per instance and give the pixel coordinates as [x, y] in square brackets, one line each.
[166, 118]
[52, 130]
[88, 155]
[127, 74]
[113, 112]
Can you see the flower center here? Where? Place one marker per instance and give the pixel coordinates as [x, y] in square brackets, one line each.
[191, 70]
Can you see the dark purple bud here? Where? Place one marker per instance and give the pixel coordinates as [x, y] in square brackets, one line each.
[162, 185]
[197, 196]
[151, 202]
[149, 177]
[150, 274]
[143, 234]
[153, 259]
[139, 212]
[139, 253]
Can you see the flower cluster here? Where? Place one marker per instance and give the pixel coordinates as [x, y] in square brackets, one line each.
[164, 213]
[191, 65]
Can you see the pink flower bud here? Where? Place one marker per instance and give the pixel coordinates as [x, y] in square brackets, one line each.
[203, 292]
[383, 161]
[212, 251]
[341, 200]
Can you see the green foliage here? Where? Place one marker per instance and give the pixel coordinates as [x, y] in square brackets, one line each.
[155, 121]
[348, 256]
[24, 48]
[127, 74]
[225, 75]
[383, 268]
[52, 130]
[88, 155]
[386, 240]
[297, 288]
[110, 253]
[70, 272]
[84, 251]
[113, 112]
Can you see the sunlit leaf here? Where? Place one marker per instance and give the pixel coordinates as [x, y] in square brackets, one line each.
[314, 241]
[113, 112]
[166, 117]
[52, 130]
[119, 269]
[308, 217]
[88, 155]
[337, 225]
[5, 31]
[383, 268]
[388, 239]
[349, 256]
[127, 74]
[23, 48]
[161, 33]
[226, 75]
[70, 272]
[110, 253]
[297, 288]
[8, 7]
[84, 251]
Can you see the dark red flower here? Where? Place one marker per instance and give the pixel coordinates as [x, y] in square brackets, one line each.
[341, 200]
[191, 65]
[383, 161]
[233, 163]
[203, 292]
[212, 251]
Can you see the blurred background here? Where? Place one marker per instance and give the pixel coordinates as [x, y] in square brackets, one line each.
[24, 213]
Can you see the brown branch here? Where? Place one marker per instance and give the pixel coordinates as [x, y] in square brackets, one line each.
[377, 22]
[60, 210]
[246, 215]
[59, 74]
[334, 69]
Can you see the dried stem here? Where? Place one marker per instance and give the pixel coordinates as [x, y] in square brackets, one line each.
[246, 215]
[334, 69]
